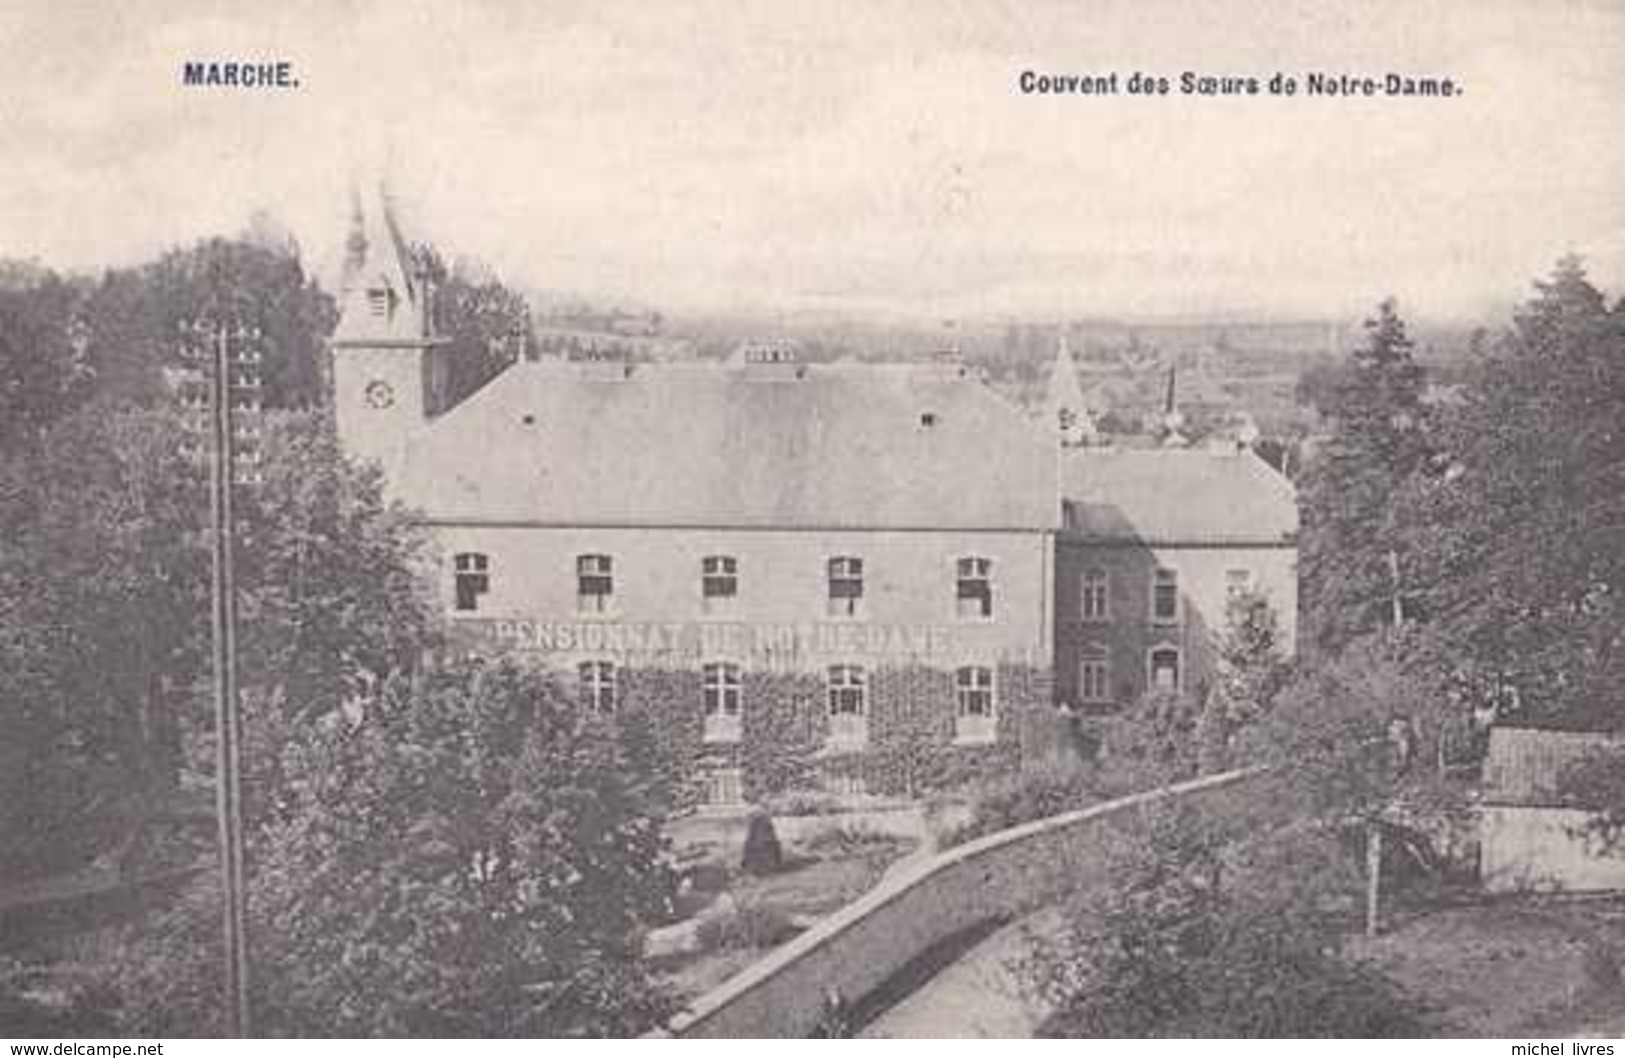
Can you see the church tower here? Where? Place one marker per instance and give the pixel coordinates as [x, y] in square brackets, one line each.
[387, 375]
[1064, 404]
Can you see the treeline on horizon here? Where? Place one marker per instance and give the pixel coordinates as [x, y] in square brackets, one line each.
[66, 340]
[73, 336]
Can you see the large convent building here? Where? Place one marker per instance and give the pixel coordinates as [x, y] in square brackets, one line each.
[861, 576]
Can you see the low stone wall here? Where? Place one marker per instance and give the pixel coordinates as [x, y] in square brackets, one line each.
[859, 947]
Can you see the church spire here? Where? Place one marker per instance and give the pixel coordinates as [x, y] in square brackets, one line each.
[382, 297]
[1172, 418]
[355, 244]
[1064, 406]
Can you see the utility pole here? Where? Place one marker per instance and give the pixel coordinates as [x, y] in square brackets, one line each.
[1373, 878]
[1373, 830]
[234, 387]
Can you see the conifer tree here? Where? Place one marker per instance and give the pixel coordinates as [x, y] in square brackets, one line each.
[1528, 581]
[1353, 525]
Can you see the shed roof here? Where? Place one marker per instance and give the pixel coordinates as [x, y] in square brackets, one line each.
[762, 445]
[1525, 766]
[1176, 496]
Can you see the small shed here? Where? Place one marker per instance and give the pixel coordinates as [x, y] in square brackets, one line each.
[1532, 835]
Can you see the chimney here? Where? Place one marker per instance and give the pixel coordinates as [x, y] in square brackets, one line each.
[425, 296]
[355, 244]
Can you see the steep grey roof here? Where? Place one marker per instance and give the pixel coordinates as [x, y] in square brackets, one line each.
[1525, 766]
[692, 444]
[381, 262]
[1176, 496]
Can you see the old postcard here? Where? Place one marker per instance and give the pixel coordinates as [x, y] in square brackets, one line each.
[742, 520]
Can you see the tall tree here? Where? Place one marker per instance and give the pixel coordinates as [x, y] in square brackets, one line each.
[1353, 530]
[1528, 582]
[331, 573]
[487, 323]
[43, 370]
[103, 604]
[134, 316]
[102, 582]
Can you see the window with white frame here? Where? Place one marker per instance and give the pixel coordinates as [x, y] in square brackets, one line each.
[1237, 582]
[724, 786]
[1163, 668]
[848, 691]
[847, 784]
[595, 583]
[974, 587]
[1094, 677]
[723, 690]
[974, 718]
[598, 686]
[845, 586]
[719, 583]
[1165, 596]
[471, 578]
[1095, 596]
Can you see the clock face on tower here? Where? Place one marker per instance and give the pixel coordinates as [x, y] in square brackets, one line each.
[379, 394]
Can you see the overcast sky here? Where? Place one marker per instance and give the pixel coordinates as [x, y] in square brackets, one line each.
[864, 156]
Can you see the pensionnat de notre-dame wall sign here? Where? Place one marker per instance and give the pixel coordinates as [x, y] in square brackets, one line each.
[685, 642]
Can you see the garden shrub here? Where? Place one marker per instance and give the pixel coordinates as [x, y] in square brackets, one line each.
[746, 926]
[1046, 789]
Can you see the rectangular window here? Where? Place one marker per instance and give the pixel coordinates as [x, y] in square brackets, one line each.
[1165, 597]
[845, 586]
[1164, 666]
[975, 587]
[847, 784]
[595, 583]
[598, 686]
[471, 578]
[1094, 681]
[974, 718]
[719, 583]
[1237, 582]
[724, 786]
[975, 687]
[848, 690]
[1095, 596]
[723, 699]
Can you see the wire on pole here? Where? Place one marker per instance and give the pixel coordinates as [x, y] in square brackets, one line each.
[233, 404]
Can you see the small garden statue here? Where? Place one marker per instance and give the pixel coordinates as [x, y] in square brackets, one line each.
[763, 854]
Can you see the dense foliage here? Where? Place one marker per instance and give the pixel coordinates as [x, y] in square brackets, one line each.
[44, 368]
[1202, 928]
[487, 325]
[1527, 579]
[1351, 493]
[102, 585]
[1487, 511]
[467, 856]
[103, 613]
[131, 318]
[1060, 784]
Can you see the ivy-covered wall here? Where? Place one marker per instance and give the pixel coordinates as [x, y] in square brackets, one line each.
[911, 747]
[663, 741]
